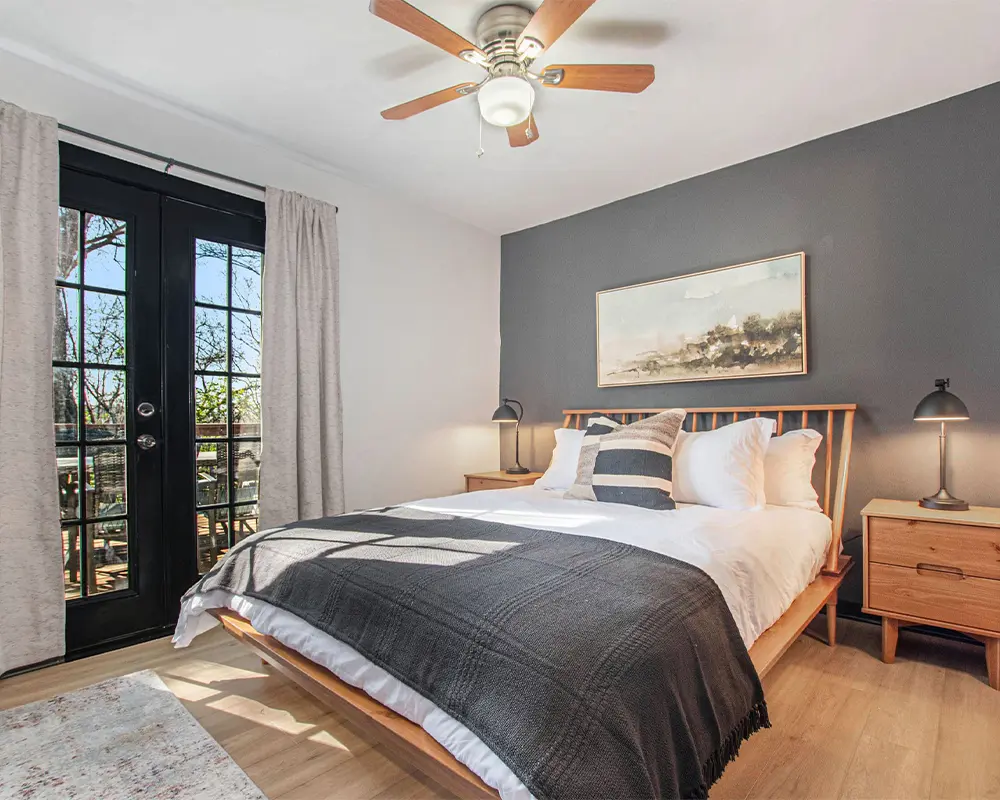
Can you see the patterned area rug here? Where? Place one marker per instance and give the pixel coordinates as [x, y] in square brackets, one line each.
[122, 739]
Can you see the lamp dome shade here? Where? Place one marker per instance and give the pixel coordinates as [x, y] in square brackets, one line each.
[506, 100]
[940, 406]
[505, 414]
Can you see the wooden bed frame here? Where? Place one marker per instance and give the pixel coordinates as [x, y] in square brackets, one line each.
[416, 747]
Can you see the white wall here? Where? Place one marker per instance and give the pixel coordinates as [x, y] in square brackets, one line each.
[420, 293]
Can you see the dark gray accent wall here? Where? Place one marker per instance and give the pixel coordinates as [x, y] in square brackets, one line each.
[900, 221]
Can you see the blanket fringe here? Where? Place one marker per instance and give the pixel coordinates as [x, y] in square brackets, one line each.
[717, 762]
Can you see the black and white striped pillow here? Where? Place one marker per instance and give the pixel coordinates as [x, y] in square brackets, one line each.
[630, 464]
[597, 428]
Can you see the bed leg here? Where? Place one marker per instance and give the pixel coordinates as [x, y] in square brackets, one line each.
[993, 662]
[890, 637]
[831, 620]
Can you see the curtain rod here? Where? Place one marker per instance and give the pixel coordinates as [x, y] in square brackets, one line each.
[170, 162]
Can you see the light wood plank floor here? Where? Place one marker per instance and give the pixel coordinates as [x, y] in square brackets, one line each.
[844, 724]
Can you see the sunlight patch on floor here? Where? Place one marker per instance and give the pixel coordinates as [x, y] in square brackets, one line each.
[209, 672]
[185, 690]
[260, 714]
[326, 738]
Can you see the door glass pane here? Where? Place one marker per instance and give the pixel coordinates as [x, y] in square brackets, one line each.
[104, 252]
[91, 406]
[211, 278]
[66, 325]
[213, 536]
[210, 352]
[107, 557]
[94, 504]
[227, 408]
[247, 471]
[71, 561]
[68, 470]
[104, 328]
[65, 400]
[246, 407]
[245, 522]
[211, 407]
[104, 403]
[106, 468]
[246, 343]
[68, 266]
[213, 472]
[248, 265]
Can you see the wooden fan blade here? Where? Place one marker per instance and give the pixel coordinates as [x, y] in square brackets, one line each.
[415, 21]
[524, 133]
[429, 101]
[550, 22]
[631, 78]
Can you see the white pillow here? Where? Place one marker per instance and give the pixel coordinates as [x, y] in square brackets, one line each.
[788, 469]
[562, 468]
[725, 467]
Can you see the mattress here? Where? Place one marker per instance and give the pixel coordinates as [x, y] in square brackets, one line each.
[761, 560]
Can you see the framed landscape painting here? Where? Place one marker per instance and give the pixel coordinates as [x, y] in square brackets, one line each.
[744, 321]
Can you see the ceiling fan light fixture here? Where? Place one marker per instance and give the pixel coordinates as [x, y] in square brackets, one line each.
[506, 100]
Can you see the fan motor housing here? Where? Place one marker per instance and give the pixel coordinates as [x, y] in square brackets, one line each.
[496, 34]
[502, 22]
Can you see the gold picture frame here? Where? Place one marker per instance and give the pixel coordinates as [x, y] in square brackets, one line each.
[706, 325]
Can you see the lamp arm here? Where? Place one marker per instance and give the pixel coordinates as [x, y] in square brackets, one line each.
[517, 468]
[520, 408]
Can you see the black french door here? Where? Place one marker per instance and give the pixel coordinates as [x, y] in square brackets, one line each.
[212, 382]
[106, 365]
[156, 388]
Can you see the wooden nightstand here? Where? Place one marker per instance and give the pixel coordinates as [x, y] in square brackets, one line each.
[941, 568]
[478, 481]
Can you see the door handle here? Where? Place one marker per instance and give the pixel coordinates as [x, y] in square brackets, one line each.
[146, 442]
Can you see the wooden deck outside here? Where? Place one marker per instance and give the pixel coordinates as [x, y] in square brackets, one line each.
[109, 577]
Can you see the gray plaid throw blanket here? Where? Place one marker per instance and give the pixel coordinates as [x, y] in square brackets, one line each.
[593, 669]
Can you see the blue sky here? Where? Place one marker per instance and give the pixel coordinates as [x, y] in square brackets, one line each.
[210, 279]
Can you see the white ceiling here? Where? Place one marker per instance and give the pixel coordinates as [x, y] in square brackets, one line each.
[735, 79]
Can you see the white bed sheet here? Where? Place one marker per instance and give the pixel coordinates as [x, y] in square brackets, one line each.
[761, 561]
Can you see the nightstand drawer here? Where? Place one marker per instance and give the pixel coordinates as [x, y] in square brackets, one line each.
[910, 543]
[481, 481]
[936, 596]
[479, 484]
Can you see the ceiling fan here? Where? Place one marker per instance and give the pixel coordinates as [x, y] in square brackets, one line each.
[510, 38]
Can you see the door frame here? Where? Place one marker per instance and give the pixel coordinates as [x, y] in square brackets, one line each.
[79, 159]
[179, 568]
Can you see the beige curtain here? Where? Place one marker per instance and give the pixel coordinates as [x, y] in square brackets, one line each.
[32, 610]
[302, 474]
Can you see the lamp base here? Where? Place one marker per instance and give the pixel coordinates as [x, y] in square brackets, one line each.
[943, 501]
[517, 469]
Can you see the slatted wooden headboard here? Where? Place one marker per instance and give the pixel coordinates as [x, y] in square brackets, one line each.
[823, 418]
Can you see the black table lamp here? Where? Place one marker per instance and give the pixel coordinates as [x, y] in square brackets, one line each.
[507, 414]
[942, 406]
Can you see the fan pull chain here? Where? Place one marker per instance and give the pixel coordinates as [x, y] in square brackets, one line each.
[480, 151]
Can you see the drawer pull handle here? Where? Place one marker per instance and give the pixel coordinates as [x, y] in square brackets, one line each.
[939, 569]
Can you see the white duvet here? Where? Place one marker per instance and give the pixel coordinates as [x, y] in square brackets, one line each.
[761, 561]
